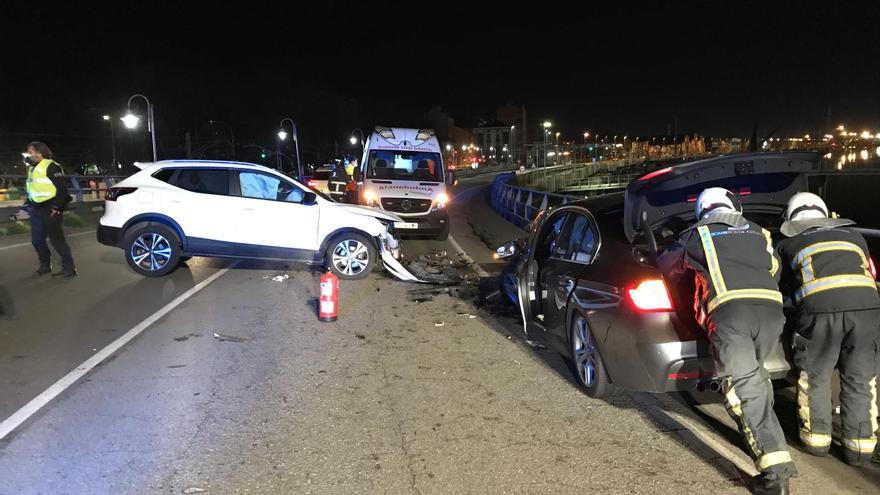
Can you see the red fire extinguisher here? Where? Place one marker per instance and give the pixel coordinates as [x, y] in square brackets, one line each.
[327, 303]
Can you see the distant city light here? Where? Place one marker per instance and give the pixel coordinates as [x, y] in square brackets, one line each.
[282, 134]
[864, 154]
[547, 124]
[463, 147]
[106, 117]
[353, 140]
[448, 146]
[866, 135]
[840, 127]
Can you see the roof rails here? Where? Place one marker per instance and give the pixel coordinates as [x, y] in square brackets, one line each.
[228, 162]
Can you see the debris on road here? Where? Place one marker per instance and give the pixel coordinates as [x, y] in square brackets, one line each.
[435, 268]
[279, 278]
[439, 323]
[517, 362]
[466, 315]
[229, 338]
[194, 489]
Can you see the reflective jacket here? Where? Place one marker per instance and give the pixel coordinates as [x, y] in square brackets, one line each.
[825, 266]
[732, 259]
[45, 185]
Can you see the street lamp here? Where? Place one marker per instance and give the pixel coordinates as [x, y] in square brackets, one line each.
[353, 139]
[555, 159]
[131, 120]
[112, 136]
[295, 143]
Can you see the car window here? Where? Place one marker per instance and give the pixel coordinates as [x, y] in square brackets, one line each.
[264, 186]
[164, 175]
[583, 241]
[203, 180]
[548, 241]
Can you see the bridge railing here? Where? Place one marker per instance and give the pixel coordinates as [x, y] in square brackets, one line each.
[84, 188]
[520, 205]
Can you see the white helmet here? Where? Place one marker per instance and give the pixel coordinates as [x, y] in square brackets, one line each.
[716, 198]
[803, 206]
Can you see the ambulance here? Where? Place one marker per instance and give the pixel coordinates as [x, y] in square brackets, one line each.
[403, 173]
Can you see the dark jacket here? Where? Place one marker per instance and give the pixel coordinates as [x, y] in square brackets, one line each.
[62, 196]
[732, 259]
[825, 267]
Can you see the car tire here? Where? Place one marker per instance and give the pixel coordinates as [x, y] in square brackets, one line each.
[151, 250]
[350, 256]
[444, 234]
[589, 369]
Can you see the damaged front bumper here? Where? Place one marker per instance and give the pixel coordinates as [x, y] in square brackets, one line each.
[389, 248]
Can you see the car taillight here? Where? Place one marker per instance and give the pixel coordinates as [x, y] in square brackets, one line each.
[872, 268]
[655, 173]
[115, 192]
[650, 295]
[312, 183]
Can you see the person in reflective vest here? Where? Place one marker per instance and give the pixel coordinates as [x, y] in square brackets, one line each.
[738, 302]
[338, 181]
[828, 273]
[47, 198]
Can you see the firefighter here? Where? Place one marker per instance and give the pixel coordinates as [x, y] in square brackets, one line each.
[737, 301]
[338, 181]
[827, 270]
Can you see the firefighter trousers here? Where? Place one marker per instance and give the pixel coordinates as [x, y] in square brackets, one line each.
[848, 340]
[743, 334]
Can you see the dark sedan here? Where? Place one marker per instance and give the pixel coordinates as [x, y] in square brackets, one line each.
[586, 283]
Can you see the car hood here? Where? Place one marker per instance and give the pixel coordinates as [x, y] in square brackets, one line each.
[763, 181]
[369, 212]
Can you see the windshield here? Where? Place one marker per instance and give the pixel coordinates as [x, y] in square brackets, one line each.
[405, 165]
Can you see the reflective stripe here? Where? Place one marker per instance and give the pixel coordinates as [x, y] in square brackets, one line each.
[772, 459]
[815, 439]
[772, 295]
[712, 260]
[874, 412]
[734, 406]
[722, 295]
[774, 264]
[821, 247]
[834, 282]
[860, 445]
[803, 401]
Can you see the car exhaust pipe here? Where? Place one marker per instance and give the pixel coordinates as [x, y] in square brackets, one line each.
[715, 386]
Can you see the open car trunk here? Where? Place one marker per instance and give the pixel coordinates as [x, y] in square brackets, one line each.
[660, 205]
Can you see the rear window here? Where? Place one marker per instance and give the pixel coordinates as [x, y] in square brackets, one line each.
[203, 180]
[164, 175]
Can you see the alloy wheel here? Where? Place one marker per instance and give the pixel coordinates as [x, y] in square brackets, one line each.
[350, 257]
[151, 251]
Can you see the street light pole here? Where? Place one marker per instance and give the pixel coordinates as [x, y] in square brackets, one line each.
[295, 144]
[112, 138]
[131, 121]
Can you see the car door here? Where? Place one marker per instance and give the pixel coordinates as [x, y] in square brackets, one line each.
[573, 253]
[540, 245]
[272, 220]
[201, 205]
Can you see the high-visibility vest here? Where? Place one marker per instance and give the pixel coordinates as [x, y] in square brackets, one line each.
[39, 186]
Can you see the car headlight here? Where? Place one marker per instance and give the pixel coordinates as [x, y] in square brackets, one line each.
[371, 199]
[506, 250]
[440, 202]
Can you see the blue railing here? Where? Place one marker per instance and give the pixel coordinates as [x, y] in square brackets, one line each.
[84, 188]
[520, 205]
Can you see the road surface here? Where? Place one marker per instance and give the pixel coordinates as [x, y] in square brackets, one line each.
[397, 396]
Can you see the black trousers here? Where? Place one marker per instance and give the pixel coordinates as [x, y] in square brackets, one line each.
[43, 225]
[848, 340]
[743, 334]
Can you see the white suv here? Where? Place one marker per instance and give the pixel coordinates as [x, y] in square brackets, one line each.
[175, 209]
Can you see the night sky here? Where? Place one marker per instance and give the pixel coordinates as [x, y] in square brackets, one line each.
[634, 69]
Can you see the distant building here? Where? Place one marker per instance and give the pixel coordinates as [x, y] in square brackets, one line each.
[493, 140]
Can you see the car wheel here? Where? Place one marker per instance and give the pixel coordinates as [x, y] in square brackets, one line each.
[588, 365]
[350, 256]
[152, 250]
[444, 234]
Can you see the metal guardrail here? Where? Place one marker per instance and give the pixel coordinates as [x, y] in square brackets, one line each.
[602, 182]
[85, 188]
[520, 205]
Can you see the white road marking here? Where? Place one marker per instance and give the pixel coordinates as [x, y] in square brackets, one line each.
[3, 248]
[37, 403]
[457, 246]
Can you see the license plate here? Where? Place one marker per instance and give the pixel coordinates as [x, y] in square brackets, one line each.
[406, 225]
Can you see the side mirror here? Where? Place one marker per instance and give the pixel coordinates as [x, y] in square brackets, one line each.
[309, 198]
[507, 250]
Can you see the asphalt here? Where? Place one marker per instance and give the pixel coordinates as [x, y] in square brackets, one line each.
[397, 396]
